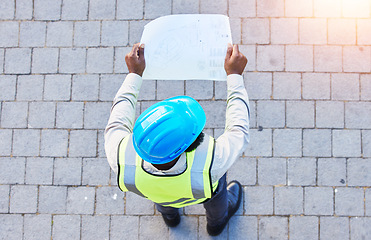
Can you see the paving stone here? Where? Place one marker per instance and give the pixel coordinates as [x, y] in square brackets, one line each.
[271, 114]
[66, 227]
[366, 143]
[331, 171]
[26, 142]
[59, 34]
[96, 171]
[187, 229]
[135, 31]
[32, 34]
[301, 8]
[8, 86]
[154, 9]
[301, 171]
[57, 87]
[17, 60]
[124, 227]
[255, 31]
[357, 59]
[365, 87]
[368, 202]
[252, 111]
[75, 10]
[283, 136]
[303, 227]
[127, 9]
[99, 60]
[7, 9]
[23, 199]
[152, 227]
[360, 228]
[345, 87]
[244, 170]
[136, 205]
[346, 143]
[327, 8]
[11, 226]
[14, 115]
[288, 200]
[242, 9]
[2, 51]
[258, 85]
[328, 59]
[102, 9]
[316, 86]
[110, 84]
[359, 10]
[349, 202]
[286, 86]
[87, 34]
[113, 179]
[47, 10]
[96, 115]
[39, 171]
[270, 58]
[4, 198]
[80, 200]
[69, 114]
[85, 87]
[250, 52]
[270, 8]
[215, 113]
[358, 172]
[357, 115]
[54, 143]
[120, 64]
[24, 9]
[334, 228]
[45, 60]
[261, 144]
[197, 209]
[37, 226]
[300, 114]
[110, 200]
[317, 142]
[273, 227]
[363, 35]
[52, 199]
[83, 143]
[30, 87]
[115, 33]
[10, 30]
[243, 227]
[313, 31]
[5, 142]
[44, 120]
[271, 171]
[299, 58]
[12, 170]
[198, 89]
[67, 171]
[72, 60]
[318, 201]
[341, 31]
[284, 31]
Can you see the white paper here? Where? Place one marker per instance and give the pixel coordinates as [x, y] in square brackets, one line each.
[189, 46]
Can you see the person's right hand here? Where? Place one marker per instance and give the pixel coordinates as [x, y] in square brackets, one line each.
[235, 62]
[135, 59]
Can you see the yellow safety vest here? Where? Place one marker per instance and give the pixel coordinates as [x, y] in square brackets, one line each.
[190, 187]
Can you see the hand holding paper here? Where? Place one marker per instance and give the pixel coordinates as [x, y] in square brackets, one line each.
[135, 59]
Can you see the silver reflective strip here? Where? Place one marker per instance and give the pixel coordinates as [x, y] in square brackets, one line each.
[180, 200]
[197, 178]
[130, 168]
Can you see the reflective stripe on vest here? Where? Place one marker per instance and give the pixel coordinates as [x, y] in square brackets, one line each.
[190, 187]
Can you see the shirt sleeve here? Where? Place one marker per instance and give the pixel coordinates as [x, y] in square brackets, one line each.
[230, 145]
[122, 117]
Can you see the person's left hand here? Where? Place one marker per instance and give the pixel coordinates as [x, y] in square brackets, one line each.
[135, 59]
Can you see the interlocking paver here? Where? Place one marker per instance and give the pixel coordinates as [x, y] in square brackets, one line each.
[32, 34]
[66, 227]
[255, 31]
[327, 8]
[24, 9]
[363, 35]
[4, 198]
[23, 199]
[346, 143]
[96, 171]
[301, 8]
[262, 144]
[357, 59]
[270, 58]
[136, 205]
[288, 200]
[109, 85]
[193, 88]
[7, 9]
[334, 227]
[242, 9]
[119, 64]
[127, 9]
[124, 227]
[115, 33]
[328, 58]
[317, 143]
[345, 86]
[244, 170]
[270, 8]
[83, 143]
[12, 170]
[349, 201]
[30, 87]
[271, 114]
[67, 171]
[75, 10]
[284, 30]
[157, 8]
[80, 200]
[271, 171]
[10, 30]
[259, 84]
[57, 87]
[109, 200]
[316, 86]
[299, 58]
[273, 227]
[313, 31]
[359, 228]
[44, 120]
[152, 227]
[102, 9]
[332, 171]
[87, 33]
[341, 31]
[85, 87]
[8, 86]
[360, 10]
[357, 115]
[5, 142]
[2, 60]
[366, 87]
[96, 115]
[72, 60]
[69, 115]
[300, 114]
[17, 60]
[301, 171]
[318, 201]
[11, 226]
[37, 226]
[280, 139]
[135, 31]
[303, 227]
[47, 10]
[358, 172]
[26, 142]
[99, 60]
[54, 143]
[39, 171]
[52, 199]
[366, 143]
[45, 60]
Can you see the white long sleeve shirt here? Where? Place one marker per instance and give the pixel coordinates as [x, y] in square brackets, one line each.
[228, 147]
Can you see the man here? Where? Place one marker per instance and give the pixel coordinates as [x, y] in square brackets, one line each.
[167, 158]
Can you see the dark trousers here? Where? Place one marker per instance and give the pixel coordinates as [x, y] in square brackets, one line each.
[216, 207]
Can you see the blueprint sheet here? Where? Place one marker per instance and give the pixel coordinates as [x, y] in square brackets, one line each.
[188, 46]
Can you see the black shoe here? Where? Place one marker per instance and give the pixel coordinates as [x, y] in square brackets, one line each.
[234, 189]
[173, 221]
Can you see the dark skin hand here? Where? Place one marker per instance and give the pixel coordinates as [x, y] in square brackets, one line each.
[135, 59]
[235, 62]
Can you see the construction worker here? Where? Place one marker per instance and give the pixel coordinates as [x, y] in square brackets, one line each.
[166, 158]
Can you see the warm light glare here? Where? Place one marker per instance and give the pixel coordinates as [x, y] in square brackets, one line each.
[356, 8]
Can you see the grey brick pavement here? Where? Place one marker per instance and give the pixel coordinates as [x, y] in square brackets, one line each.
[306, 172]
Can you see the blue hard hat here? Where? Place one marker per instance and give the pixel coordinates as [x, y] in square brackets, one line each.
[166, 129]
